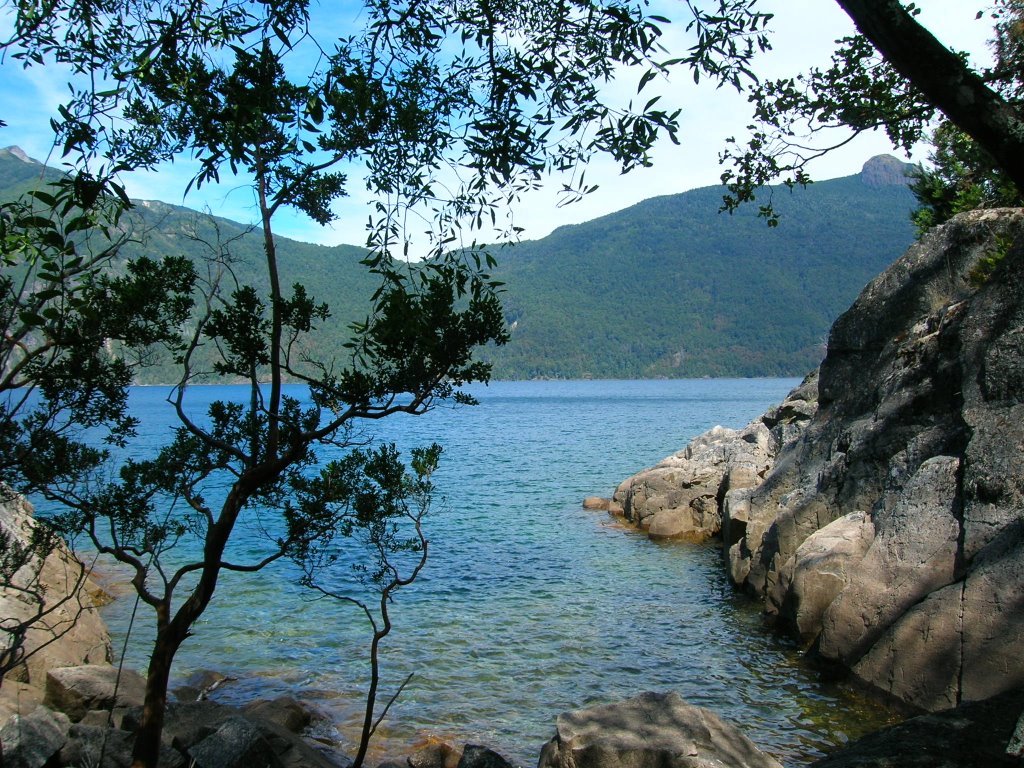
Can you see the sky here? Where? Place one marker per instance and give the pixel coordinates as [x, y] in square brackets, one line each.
[803, 32]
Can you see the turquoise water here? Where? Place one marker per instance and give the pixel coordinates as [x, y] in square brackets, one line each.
[529, 605]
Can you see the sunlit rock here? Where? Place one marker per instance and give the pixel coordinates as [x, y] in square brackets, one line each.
[652, 730]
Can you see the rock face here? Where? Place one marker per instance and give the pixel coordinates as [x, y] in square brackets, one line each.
[920, 426]
[681, 497]
[885, 527]
[885, 171]
[57, 601]
[652, 730]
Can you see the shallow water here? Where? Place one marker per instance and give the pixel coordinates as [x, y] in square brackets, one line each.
[529, 605]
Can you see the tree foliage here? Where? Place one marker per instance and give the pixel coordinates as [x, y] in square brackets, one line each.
[962, 175]
[445, 113]
[893, 76]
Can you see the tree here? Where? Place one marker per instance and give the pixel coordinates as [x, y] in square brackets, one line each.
[396, 533]
[453, 113]
[61, 395]
[962, 176]
[895, 76]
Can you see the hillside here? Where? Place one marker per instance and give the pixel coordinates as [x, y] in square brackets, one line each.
[668, 287]
[332, 274]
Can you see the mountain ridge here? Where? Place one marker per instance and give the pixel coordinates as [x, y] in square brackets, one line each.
[668, 287]
[695, 292]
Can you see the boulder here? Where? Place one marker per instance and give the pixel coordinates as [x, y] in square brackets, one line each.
[280, 721]
[284, 711]
[475, 756]
[76, 690]
[55, 598]
[31, 741]
[200, 684]
[87, 743]
[203, 729]
[435, 753]
[185, 723]
[596, 503]
[682, 496]
[237, 743]
[652, 730]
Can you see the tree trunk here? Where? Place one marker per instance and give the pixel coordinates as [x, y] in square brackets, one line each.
[944, 79]
[146, 752]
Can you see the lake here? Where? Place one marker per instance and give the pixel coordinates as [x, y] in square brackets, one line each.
[529, 605]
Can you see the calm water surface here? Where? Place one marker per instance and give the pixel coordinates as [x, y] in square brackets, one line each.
[529, 606]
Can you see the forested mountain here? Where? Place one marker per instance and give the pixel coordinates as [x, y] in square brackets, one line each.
[332, 275]
[668, 287]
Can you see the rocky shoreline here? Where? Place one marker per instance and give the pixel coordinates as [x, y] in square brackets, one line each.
[878, 512]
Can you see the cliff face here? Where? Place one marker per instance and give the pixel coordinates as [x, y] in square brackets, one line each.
[888, 531]
[920, 431]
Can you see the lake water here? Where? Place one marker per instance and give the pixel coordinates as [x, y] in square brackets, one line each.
[529, 605]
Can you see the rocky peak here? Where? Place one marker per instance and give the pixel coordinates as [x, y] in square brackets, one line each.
[885, 171]
[19, 153]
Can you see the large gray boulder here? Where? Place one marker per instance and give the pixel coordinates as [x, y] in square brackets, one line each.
[652, 730]
[32, 740]
[920, 426]
[237, 743]
[77, 690]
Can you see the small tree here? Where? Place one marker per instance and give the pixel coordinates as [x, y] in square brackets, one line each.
[454, 112]
[394, 534]
[960, 177]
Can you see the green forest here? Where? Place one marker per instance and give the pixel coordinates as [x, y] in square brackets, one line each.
[671, 287]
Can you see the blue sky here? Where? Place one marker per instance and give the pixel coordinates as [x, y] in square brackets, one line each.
[803, 31]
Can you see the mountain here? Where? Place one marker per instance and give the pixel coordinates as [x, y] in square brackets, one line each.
[331, 274]
[667, 287]
[670, 287]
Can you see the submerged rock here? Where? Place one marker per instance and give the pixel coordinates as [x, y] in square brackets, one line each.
[652, 730]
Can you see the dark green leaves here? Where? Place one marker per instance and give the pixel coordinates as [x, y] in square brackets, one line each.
[240, 331]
